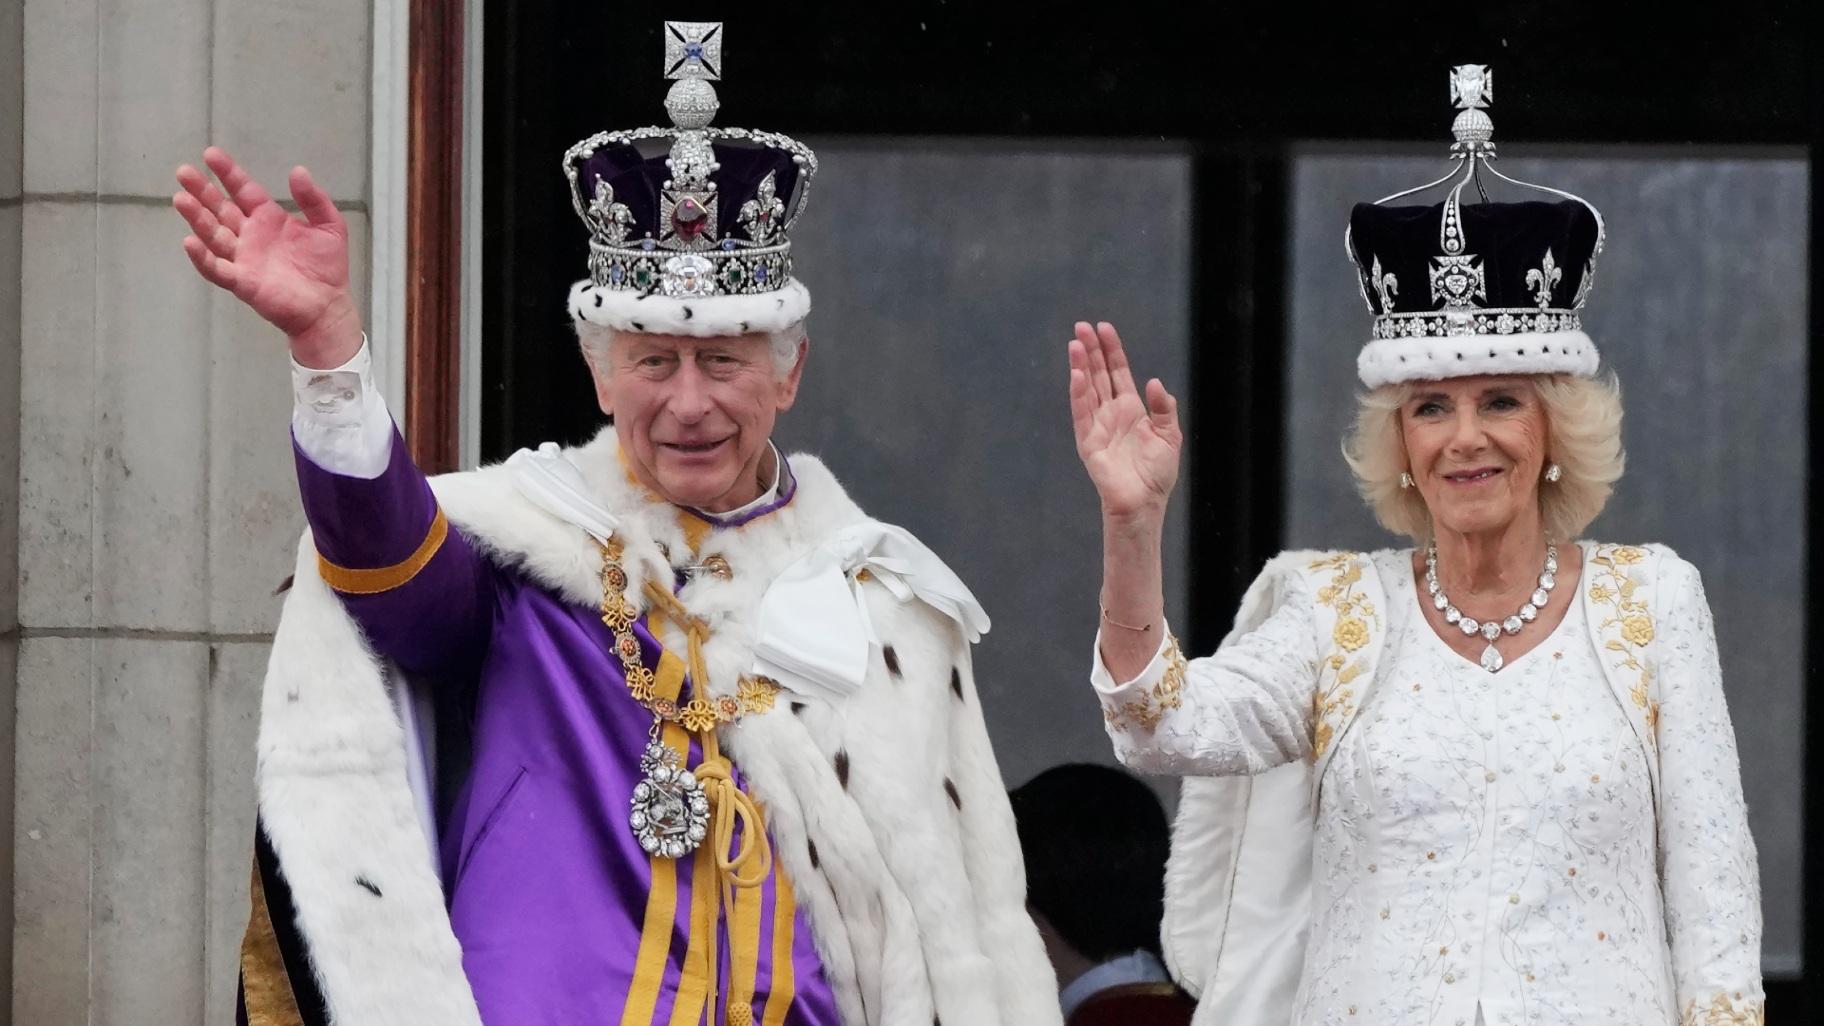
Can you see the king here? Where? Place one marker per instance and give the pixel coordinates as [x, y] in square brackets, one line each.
[661, 729]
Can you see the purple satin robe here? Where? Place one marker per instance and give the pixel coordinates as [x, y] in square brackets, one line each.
[547, 887]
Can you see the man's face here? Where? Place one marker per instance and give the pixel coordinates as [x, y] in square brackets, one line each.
[694, 414]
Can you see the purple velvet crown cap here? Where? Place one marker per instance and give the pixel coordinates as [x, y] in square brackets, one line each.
[637, 180]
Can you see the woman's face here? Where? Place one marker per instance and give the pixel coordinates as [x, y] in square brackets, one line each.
[1477, 449]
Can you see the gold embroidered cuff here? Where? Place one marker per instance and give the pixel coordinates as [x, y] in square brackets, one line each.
[1146, 710]
[386, 578]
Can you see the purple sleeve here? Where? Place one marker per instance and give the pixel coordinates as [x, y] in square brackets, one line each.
[425, 603]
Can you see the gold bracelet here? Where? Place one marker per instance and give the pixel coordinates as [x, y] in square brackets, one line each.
[1124, 626]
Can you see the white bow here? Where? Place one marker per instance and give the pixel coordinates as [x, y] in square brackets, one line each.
[815, 635]
[548, 479]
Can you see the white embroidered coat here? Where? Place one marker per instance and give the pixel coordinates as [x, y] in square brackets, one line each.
[1278, 916]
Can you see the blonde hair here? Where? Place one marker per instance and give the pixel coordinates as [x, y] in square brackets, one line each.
[1583, 432]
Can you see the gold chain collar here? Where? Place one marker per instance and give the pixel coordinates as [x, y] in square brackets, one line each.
[697, 715]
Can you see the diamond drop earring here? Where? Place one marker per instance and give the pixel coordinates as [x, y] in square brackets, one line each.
[1553, 472]
[1405, 480]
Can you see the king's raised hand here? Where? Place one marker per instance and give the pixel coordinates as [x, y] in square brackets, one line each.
[1129, 444]
[291, 270]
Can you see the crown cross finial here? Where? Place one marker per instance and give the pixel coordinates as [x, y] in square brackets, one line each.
[693, 49]
[1472, 88]
[693, 59]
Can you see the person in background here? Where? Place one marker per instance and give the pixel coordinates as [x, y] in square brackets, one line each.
[1095, 842]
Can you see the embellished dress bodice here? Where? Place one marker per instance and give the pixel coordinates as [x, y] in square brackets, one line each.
[1485, 843]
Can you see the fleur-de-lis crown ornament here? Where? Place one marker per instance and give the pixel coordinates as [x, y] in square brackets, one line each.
[691, 240]
[1491, 287]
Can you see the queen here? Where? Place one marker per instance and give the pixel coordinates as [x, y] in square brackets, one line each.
[1486, 779]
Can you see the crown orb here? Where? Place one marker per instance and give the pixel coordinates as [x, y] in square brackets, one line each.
[692, 103]
[1473, 126]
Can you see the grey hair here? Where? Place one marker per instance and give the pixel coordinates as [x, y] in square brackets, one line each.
[782, 345]
[1583, 431]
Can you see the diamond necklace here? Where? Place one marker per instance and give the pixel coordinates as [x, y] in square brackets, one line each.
[1491, 659]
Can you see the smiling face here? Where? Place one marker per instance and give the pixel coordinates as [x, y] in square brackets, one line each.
[693, 415]
[1477, 448]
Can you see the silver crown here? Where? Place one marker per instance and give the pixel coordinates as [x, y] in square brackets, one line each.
[689, 257]
[1457, 275]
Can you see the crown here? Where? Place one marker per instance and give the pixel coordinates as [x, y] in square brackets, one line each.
[1488, 288]
[709, 220]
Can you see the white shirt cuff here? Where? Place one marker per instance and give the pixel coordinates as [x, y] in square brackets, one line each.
[339, 418]
[1149, 676]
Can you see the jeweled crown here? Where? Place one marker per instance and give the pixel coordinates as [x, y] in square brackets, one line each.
[1485, 269]
[713, 216]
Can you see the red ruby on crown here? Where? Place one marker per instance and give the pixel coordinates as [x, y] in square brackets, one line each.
[688, 218]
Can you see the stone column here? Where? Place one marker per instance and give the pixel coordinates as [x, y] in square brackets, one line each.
[12, 113]
[156, 510]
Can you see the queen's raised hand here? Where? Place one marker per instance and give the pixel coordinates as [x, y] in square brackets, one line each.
[1129, 444]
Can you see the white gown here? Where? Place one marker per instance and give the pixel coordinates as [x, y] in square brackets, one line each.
[1486, 845]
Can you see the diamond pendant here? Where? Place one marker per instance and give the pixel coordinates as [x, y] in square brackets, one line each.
[670, 815]
[1491, 659]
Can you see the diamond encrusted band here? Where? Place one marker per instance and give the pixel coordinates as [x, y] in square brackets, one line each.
[731, 272]
[1508, 321]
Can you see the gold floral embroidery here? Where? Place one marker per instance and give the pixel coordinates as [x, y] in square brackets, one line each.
[1636, 630]
[1351, 634]
[1631, 624]
[1151, 705]
[1356, 619]
[1725, 1010]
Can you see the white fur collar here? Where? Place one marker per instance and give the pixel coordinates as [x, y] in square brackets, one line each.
[516, 533]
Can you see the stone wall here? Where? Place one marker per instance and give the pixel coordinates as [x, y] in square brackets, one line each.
[156, 510]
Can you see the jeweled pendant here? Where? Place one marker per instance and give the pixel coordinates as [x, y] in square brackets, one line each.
[1491, 659]
[670, 814]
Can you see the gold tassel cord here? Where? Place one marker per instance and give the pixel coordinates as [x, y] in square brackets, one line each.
[751, 862]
